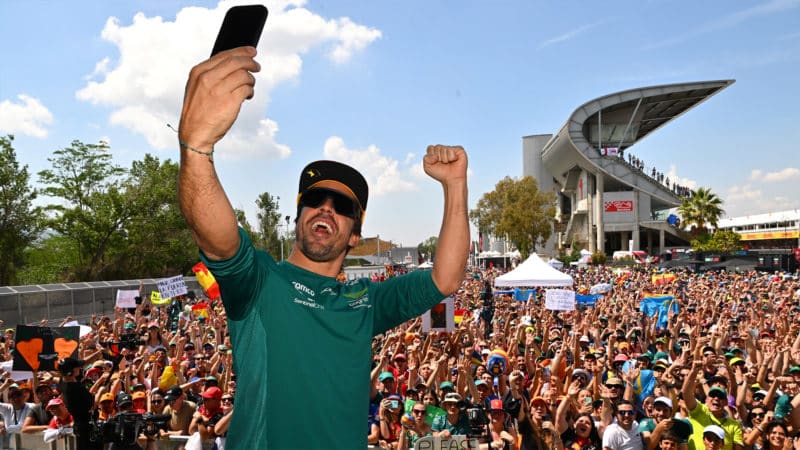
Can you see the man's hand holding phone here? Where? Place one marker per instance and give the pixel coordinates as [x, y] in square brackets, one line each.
[214, 95]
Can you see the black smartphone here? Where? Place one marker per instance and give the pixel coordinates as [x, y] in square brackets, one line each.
[242, 26]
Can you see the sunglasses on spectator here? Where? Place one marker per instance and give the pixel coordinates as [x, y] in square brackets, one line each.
[227, 400]
[157, 402]
[627, 412]
[342, 204]
[757, 414]
[421, 412]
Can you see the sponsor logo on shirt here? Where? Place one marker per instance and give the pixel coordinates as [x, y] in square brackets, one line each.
[303, 288]
[362, 302]
[308, 302]
[328, 291]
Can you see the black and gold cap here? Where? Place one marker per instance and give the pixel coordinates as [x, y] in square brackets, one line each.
[350, 180]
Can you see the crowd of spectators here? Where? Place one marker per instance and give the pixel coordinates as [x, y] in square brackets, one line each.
[723, 373]
[660, 177]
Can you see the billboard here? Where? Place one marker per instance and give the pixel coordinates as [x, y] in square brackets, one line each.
[618, 207]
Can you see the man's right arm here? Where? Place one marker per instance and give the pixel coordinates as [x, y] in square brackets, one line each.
[214, 94]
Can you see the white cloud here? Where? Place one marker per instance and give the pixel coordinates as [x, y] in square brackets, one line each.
[144, 85]
[745, 200]
[775, 177]
[28, 116]
[730, 20]
[568, 35]
[674, 178]
[382, 172]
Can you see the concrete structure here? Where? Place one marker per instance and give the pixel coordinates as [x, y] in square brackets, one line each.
[775, 230]
[604, 201]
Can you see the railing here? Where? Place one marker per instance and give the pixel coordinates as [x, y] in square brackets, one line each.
[35, 441]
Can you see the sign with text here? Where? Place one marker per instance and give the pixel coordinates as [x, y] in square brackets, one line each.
[456, 442]
[441, 317]
[559, 300]
[172, 287]
[127, 298]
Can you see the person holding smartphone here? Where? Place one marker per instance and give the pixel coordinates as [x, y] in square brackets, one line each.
[300, 300]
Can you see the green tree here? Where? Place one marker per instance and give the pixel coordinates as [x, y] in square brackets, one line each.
[269, 221]
[20, 221]
[720, 241]
[517, 209]
[701, 209]
[48, 260]
[428, 247]
[154, 239]
[92, 209]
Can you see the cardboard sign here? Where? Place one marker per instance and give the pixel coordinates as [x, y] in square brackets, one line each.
[441, 317]
[126, 298]
[40, 348]
[559, 300]
[156, 299]
[172, 287]
[457, 442]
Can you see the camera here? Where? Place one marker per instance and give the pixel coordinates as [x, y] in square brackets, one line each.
[130, 341]
[478, 419]
[125, 427]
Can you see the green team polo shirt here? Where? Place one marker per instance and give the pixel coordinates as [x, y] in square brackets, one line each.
[302, 345]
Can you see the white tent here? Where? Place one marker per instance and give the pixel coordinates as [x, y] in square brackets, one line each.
[556, 264]
[534, 272]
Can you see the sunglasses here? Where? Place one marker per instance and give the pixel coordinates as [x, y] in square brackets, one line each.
[156, 402]
[227, 400]
[342, 204]
[626, 413]
[420, 412]
[757, 414]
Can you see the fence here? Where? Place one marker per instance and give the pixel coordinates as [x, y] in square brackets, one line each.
[54, 302]
[35, 441]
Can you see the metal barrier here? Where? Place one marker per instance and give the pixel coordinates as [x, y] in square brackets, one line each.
[54, 302]
[35, 441]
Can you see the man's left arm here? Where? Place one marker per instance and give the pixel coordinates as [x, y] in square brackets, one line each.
[448, 165]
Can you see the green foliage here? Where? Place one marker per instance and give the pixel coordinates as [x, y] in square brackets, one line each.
[599, 258]
[20, 221]
[702, 208]
[153, 240]
[517, 209]
[90, 207]
[570, 257]
[49, 260]
[269, 223]
[721, 241]
[428, 247]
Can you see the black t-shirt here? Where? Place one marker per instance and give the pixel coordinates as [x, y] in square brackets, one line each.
[78, 400]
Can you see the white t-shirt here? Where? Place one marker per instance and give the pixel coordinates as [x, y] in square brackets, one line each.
[617, 438]
[13, 418]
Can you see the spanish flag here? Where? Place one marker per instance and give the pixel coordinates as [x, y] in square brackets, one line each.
[206, 280]
[200, 309]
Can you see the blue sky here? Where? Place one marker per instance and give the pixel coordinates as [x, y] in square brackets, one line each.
[373, 83]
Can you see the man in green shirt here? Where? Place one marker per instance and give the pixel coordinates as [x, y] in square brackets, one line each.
[301, 339]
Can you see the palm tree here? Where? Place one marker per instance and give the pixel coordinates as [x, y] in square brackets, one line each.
[701, 209]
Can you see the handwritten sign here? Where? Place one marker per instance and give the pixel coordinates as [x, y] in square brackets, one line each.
[172, 287]
[559, 300]
[127, 298]
[457, 442]
[156, 299]
[441, 317]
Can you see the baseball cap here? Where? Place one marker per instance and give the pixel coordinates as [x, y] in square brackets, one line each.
[496, 405]
[761, 393]
[717, 391]
[664, 401]
[620, 358]
[108, 396]
[345, 178]
[139, 395]
[614, 381]
[385, 376]
[715, 430]
[480, 382]
[54, 402]
[173, 393]
[213, 393]
[446, 385]
[451, 397]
